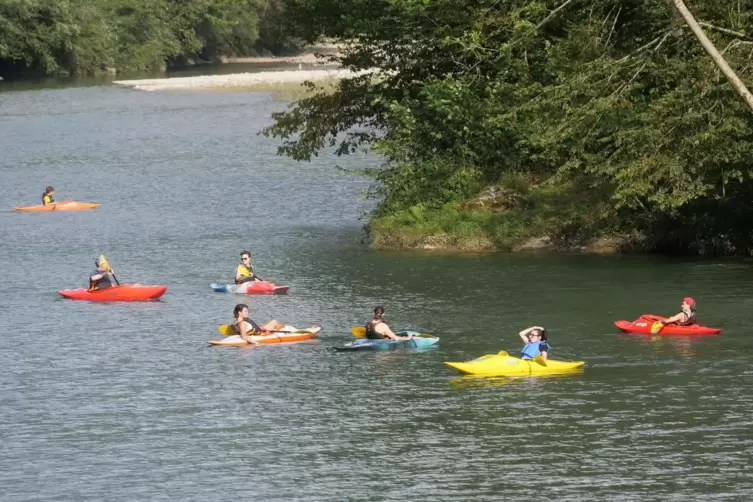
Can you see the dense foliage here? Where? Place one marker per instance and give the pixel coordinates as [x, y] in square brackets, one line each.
[88, 36]
[613, 103]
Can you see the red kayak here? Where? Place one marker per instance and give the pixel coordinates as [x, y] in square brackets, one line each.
[643, 326]
[122, 293]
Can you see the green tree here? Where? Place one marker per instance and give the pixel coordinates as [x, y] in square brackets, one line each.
[87, 36]
[614, 101]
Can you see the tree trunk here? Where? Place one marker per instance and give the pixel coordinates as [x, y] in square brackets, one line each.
[715, 55]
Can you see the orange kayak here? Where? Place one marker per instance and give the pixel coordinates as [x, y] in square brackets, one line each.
[66, 205]
[282, 337]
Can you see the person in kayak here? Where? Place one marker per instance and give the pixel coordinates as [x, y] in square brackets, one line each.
[686, 317]
[247, 328]
[47, 196]
[377, 329]
[245, 271]
[536, 343]
[102, 277]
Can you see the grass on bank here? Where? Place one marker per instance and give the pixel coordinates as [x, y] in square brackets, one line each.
[547, 215]
[453, 228]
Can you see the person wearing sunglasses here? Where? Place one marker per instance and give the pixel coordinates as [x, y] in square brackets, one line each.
[536, 343]
[245, 271]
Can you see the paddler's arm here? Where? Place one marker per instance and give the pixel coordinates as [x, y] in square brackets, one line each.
[100, 276]
[675, 318]
[242, 327]
[544, 353]
[524, 334]
[385, 330]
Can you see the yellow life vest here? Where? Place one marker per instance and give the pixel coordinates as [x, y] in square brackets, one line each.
[47, 199]
[245, 272]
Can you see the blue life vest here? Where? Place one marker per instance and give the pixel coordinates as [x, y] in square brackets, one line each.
[533, 349]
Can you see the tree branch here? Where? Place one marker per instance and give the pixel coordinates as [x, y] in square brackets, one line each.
[553, 13]
[725, 30]
[718, 59]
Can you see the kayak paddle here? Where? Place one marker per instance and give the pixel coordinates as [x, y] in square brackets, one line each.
[253, 274]
[228, 330]
[656, 327]
[102, 260]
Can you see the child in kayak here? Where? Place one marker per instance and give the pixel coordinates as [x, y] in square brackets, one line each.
[536, 344]
[244, 272]
[102, 277]
[247, 328]
[686, 317]
[47, 196]
[377, 329]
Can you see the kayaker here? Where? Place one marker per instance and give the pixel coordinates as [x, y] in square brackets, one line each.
[377, 329]
[536, 344]
[247, 328]
[102, 277]
[686, 317]
[244, 326]
[47, 196]
[245, 271]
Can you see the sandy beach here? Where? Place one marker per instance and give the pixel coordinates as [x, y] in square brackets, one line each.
[236, 79]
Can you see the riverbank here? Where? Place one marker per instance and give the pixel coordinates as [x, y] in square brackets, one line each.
[312, 54]
[508, 217]
[478, 233]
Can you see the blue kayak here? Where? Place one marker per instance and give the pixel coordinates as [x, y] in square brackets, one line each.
[418, 342]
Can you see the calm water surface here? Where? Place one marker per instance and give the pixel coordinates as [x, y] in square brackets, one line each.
[125, 401]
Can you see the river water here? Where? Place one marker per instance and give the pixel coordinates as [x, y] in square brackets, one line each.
[126, 402]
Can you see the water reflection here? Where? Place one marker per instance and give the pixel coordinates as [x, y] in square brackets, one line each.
[683, 346]
[478, 381]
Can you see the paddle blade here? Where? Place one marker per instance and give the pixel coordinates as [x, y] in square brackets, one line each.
[226, 330]
[358, 331]
[656, 327]
[540, 360]
[103, 261]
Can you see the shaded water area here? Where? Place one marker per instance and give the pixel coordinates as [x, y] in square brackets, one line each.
[125, 402]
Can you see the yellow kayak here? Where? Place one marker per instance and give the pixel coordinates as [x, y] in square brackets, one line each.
[502, 364]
